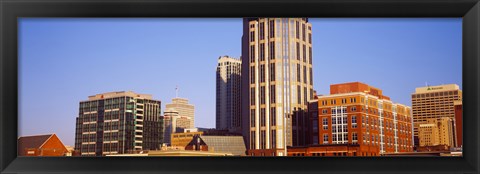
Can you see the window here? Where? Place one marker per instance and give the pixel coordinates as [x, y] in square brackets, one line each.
[303, 32]
[262, 52]
[252, 96]
[305, 77]
[324, 111]
[304, 53]
[272, 72]
[298, 73]
[310, 54]
[262, 117]
[252, 117]
[354, 137]
[325, 138]
[311, 80]
[297, 27]
[325, 123]
[353, 108]
[262, 73]
[252, 139]
[299, 96]
[272, 94]
[252, 53]
[252, 36]
[271, 28]
[354, 121]
[262, 30]
[263, 140]
[271, 50]
[298, 51]
[273, 137]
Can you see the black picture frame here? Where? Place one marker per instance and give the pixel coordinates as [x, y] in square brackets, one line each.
[11, 10]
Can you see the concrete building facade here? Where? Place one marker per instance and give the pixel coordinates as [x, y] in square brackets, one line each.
[436, 132]
[183, 108]
[434, 102]
[118, 123]
[174, 123]
[276, 83]
[228, 93]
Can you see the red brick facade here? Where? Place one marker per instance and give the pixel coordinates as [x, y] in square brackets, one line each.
[459, 124]
[328, 150]
[43, 145]
[360, 116]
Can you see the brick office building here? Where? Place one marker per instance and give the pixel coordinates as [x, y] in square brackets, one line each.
[357, 116]
[41, 145]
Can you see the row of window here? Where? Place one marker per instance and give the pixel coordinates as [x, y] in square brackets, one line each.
[262, 139]
[436, 94]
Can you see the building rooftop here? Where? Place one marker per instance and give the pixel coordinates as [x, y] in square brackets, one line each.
[35, 141]
[357, 87]
[223, 144]
[438, 88]
[118, 94]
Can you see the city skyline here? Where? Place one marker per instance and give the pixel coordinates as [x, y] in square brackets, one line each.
[40, 64]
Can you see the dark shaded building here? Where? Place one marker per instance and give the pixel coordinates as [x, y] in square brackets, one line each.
[458, 123]
[118, 123]
[41, 145]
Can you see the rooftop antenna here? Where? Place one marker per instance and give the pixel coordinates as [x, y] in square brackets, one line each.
[176, 91]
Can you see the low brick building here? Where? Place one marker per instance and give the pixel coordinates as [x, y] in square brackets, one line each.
[329, 150]
[41, 145]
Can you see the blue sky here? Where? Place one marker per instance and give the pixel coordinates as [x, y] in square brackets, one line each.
[62, 61]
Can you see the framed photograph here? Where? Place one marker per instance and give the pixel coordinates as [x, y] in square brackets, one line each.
[239, 87]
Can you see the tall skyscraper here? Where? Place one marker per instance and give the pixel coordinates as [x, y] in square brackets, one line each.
[276, 82]
[228, 94]
[434, 102]
[118, 123]
[183, 108]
